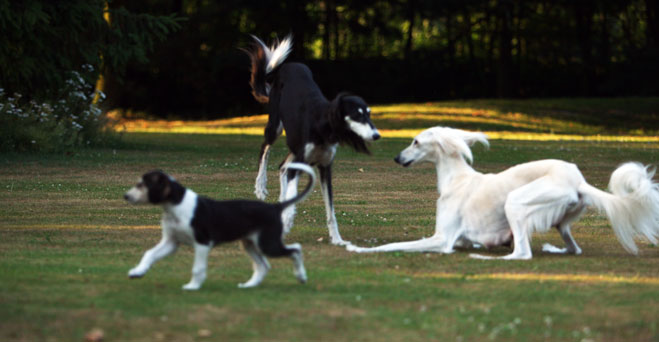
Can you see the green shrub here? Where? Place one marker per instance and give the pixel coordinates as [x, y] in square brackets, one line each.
[69, 121]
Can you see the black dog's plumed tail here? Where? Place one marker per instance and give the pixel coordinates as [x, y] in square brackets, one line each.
[312, 180]
[264, 61]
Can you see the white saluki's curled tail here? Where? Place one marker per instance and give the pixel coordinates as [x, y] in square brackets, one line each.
[312, 181]
[632, 206]
[264, 60]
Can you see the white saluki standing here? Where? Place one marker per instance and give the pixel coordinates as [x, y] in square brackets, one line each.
[499, 209]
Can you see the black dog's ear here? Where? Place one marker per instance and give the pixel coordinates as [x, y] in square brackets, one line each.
[336, 113]
[158, 185]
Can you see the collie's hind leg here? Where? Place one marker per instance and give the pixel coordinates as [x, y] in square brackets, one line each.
[298, 263]
[272, 132]
[270, 243]
[259, 263]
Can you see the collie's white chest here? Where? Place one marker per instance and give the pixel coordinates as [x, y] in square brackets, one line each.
[177, 219]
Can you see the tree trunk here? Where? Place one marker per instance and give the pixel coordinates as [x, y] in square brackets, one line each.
[470, 41]
[652, 12]
[584, 18]
[328, 26]
[504, 67]
[298, 19]
[411, 11]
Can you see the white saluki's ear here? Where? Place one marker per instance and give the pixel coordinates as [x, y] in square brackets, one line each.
[472, 138]
[456, 142]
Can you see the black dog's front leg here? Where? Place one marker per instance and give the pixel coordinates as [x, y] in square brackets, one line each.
[326, 189]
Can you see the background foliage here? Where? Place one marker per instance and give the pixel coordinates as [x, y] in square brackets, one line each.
[399, 50]
[52, 53]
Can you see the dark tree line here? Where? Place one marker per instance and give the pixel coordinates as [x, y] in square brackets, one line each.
[399, 50]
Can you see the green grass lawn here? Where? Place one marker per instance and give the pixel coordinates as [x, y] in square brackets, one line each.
[67, 241]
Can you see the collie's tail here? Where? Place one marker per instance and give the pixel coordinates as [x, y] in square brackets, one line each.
[632, 206]
[264, 61]
[312, 180]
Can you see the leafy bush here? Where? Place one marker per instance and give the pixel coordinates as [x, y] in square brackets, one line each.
[46, 104]
[70, 120]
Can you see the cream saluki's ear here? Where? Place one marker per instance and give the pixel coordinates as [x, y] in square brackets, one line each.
[472, 138]
[449, 142]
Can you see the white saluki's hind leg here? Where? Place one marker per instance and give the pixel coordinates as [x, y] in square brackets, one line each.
[571, 246]
[536, 206]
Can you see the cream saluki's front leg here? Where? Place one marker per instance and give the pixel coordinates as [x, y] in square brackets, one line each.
[447, 233]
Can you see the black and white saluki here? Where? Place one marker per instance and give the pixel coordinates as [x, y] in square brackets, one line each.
[508, 207]
[203, 223]
[314, 126]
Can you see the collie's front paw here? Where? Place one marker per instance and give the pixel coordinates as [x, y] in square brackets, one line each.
[247, 284]
[191, 287]
[136, 273]
[301, 276]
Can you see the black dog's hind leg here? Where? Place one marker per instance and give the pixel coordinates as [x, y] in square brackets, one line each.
[273, 130]
[326, 189]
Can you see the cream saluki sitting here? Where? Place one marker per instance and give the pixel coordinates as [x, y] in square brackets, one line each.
[497, 209]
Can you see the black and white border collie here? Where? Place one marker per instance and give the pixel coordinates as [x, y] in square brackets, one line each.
[314, 126]
[202, 222]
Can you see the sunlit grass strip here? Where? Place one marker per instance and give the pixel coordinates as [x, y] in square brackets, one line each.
[254, 125]
[198, 130]
[512, 119]
[407, 133]
[542, 277]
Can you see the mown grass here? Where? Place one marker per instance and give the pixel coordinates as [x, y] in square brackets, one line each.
[67, 240]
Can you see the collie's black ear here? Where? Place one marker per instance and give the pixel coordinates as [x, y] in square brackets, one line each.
[158, 185]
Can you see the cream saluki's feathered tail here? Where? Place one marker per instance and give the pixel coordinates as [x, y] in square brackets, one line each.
[632, 206]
